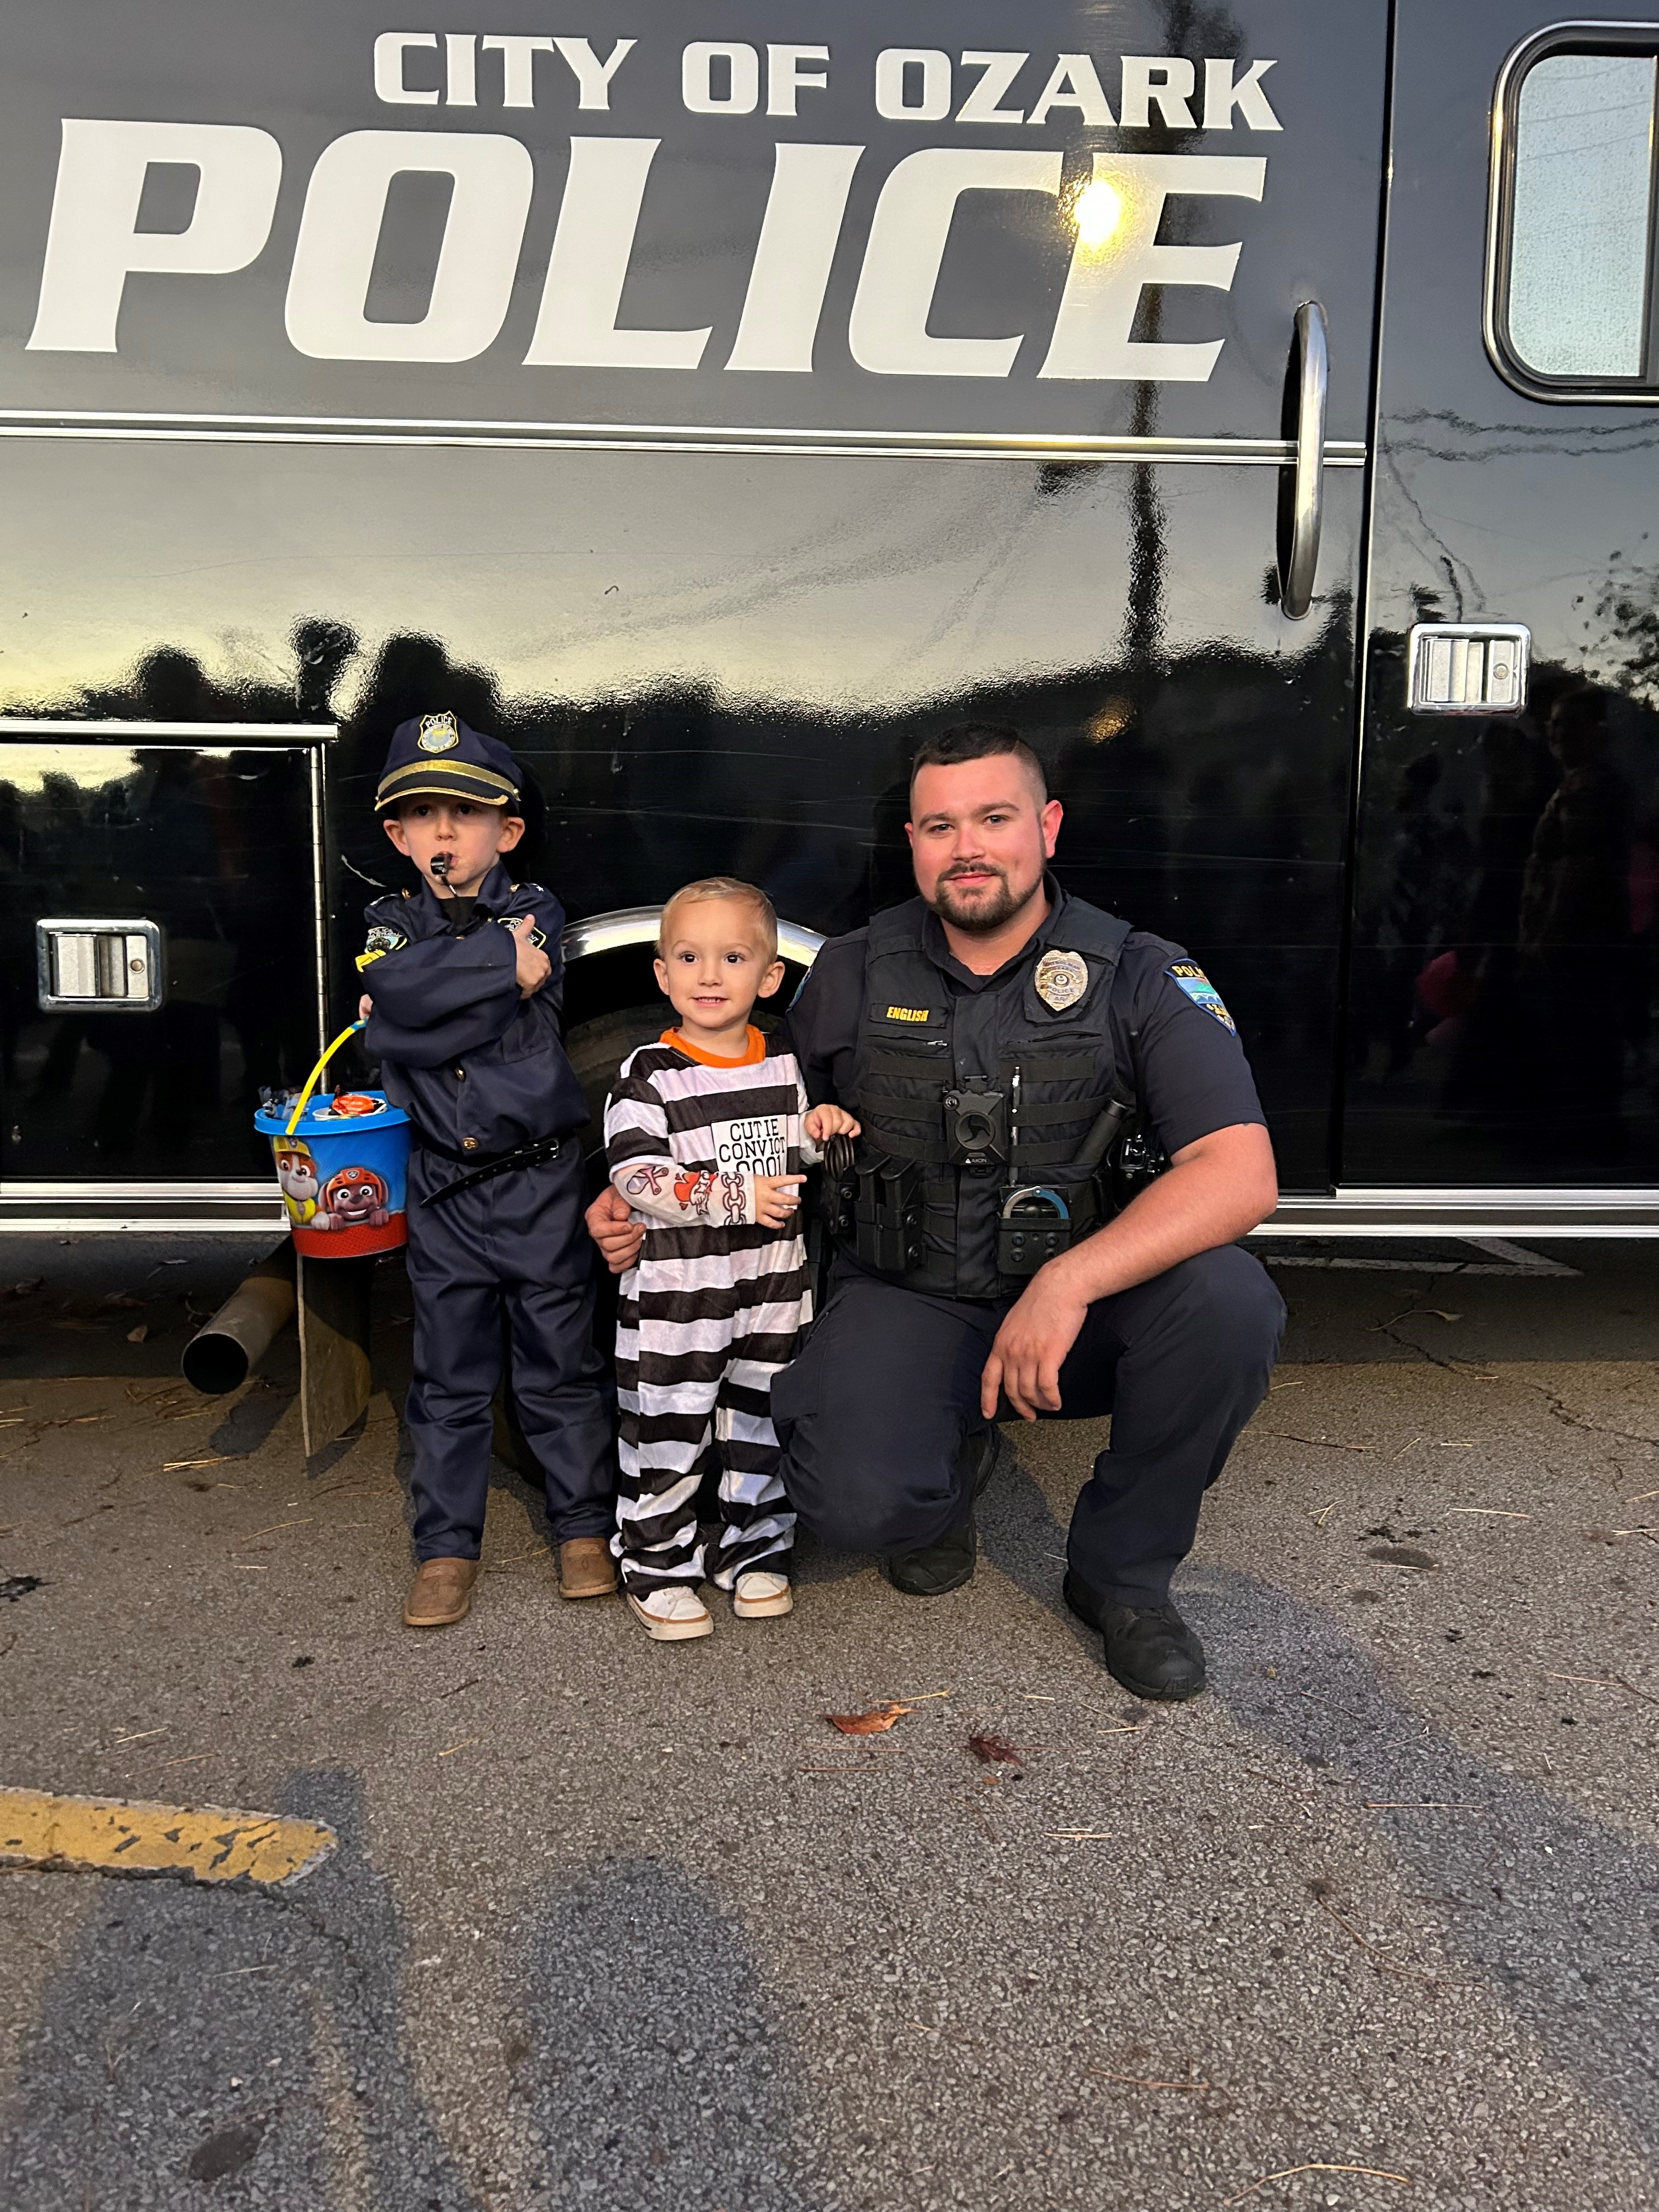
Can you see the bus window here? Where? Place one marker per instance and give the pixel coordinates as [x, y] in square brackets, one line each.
[1570, 307]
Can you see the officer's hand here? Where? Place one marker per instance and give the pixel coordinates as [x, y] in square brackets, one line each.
[1038, 1332]
[611, 1225]
[776, 1198]
[822, 1122]
[365, 1007]
[533, 967]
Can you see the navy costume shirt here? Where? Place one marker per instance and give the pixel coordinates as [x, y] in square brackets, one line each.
[1185, 1061]
[475, 1066]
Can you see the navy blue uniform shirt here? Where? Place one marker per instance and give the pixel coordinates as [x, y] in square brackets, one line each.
[475, 1066]
[1186, 1063]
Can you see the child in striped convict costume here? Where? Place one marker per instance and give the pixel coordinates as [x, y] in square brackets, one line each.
[705, 1132]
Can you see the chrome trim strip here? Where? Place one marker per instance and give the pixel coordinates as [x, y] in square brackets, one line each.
[632, 438]
[638, 925]
[129, 1193]
[65, 726]
[1360, 1211]
[159, 1224]
[155, 1208]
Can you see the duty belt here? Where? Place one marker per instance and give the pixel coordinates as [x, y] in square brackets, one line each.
[485, 1170]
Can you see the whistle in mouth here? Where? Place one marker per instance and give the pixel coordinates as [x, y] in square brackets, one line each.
[441, 864]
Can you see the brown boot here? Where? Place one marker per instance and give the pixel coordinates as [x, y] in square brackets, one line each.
[441, 1593]
[587, 1568]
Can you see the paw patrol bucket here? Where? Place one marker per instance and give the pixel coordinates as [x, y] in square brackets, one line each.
[343, 1160]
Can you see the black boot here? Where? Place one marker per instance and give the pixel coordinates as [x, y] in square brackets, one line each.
[1148, 1648]
[935, 1569]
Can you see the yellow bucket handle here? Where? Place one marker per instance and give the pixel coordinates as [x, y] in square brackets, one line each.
[315, 1075]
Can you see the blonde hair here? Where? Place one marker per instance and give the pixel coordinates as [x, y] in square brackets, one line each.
[725, 887]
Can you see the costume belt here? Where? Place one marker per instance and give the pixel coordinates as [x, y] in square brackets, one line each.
[486, 1169]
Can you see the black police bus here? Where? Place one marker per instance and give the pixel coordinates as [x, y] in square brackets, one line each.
[1254, 401]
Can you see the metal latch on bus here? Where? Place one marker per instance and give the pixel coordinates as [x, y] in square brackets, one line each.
[1468, 668]
[112, 965]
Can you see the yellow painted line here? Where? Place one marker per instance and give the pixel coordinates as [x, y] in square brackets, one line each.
[118, 1835]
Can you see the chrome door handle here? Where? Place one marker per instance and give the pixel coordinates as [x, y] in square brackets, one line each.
[1296, 575]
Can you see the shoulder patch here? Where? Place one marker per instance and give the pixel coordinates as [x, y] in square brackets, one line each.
[379, 941]
[1201, 991]
[538, 937]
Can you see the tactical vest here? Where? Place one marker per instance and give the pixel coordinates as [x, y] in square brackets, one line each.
[919, 1041]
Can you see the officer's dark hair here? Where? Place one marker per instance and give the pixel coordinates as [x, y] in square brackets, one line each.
[972, 741]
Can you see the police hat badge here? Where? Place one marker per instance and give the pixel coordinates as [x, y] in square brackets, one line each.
[1061, 980]
[438, 733]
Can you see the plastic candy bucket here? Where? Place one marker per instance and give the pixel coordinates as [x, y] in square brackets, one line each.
[344, 1169]
[342, 1163]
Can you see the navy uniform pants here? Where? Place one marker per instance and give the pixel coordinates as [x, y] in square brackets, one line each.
[875, 1411]
[505, 1269]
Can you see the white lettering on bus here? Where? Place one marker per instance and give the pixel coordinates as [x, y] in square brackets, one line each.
[94, 245]
[593, 77]
[592, 245]
[340, 231]
[888, 333]
[798, 235]
[893, 84]
[785, 76]
[741, 78]
[1222, 95]
[460, 69]
[1148, 80]
[518, 52]
[391, 83]
[1075, 82]
[912, 84]
[1000, 71]
[1104, 288]
[93, 242]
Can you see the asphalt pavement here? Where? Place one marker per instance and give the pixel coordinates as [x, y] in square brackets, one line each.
[613, 1925]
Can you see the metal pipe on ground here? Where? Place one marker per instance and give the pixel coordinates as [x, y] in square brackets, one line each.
[222, 1356]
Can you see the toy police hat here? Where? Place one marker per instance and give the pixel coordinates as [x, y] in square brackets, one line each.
[437, 753]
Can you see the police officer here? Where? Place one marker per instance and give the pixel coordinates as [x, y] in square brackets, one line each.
[463, 990]
[999, 1042]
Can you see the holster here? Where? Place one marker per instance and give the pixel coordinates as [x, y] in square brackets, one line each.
[1036, 1222]
[874, 1210]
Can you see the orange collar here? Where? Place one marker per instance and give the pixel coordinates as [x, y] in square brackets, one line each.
[753, 1053]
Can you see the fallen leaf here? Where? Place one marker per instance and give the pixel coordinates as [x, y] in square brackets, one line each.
[876, 1721]
[1402, 1555]
[25, 1289]
[137, 1336]
[995, 1750]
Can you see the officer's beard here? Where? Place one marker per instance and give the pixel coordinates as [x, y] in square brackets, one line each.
[989, 911]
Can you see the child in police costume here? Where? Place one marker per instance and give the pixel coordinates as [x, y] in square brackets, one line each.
[706, 1132]
[462, 995]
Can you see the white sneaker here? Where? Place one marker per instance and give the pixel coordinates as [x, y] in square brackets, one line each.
[674, 1614]
[759, 1595]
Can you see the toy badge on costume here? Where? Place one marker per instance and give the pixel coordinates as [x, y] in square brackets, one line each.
[1061, 979]
[439, 756]
[1201, 991]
